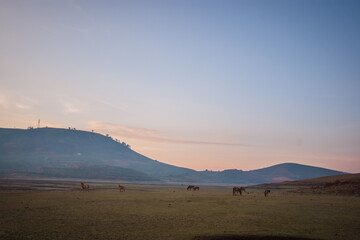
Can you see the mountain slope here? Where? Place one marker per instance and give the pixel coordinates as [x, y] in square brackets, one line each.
[95, 171]
[292, 171]
[52, 147]
[70, 153]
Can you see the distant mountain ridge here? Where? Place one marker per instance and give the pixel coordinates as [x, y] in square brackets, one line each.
[55, 152]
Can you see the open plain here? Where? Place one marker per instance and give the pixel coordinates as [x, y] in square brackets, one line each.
[171, 212]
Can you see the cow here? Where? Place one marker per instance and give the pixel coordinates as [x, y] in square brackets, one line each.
[266, 192]
[84, 186]
[121, 188]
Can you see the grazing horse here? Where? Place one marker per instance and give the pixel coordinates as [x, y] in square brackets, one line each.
[236, 189]
[84, 186]
[121, 188]
[266, 192]
[196, 188]
[190, 187]
[243, 189]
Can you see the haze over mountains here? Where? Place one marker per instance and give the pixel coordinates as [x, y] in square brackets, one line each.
[68, 153]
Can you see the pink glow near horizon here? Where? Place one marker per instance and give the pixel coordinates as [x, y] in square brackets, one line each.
[200, 156]
[245, 89]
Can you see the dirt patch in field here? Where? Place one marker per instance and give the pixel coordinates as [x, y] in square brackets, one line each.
[249, 237]
[348, 184]
[335, 187]
[37, 185]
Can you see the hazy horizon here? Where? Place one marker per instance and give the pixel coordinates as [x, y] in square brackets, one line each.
[131, 147]
[199, 84]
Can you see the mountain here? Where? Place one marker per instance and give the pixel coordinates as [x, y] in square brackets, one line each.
[73, 153]
[292, 171]
[276, 173]
[28, 150]
[95, 171]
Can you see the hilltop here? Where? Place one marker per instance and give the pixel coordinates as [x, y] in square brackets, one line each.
[55, 152]
[35, 150]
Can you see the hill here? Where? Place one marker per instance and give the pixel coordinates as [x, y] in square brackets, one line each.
[276, 173]
[69, 153]
[292, 171]
[28, 150]
[95, 171]
[338, 184]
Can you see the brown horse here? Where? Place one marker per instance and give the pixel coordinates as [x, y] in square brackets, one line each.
[121, 188]
[190, 187]
[196, 188]
[243, 189]
[266, 192]
[84, 186]
[236, 189]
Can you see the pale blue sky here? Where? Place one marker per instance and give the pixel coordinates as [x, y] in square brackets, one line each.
[200, 84]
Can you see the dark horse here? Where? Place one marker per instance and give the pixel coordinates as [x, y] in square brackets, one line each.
[235, 190]
[84, 186]
[243, 189]
[121, 188]
[196, 188]
[190, 187]
[266, 192]
[239, 190]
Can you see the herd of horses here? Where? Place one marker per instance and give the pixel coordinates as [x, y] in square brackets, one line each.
[192, 187]
[242, 189]
[85, 187]
[238, 190]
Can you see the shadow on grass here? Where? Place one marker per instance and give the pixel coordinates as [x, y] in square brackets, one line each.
[249, 237]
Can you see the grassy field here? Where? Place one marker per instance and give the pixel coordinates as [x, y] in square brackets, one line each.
[346, 184]
[171, 212]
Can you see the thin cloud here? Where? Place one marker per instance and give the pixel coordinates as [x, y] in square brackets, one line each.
[149, 134]
[9, 99]
[69, 107]
[3, 102]
[22, 106]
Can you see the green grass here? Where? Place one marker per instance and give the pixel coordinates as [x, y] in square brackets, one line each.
[171, 212]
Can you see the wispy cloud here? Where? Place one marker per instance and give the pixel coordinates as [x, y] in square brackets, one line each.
[3, 101]
[26, 103]
[69, 107]
[22, 106]
[11, 100]
[150, 135]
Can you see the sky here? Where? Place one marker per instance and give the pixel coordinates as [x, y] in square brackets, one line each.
[200, 84]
